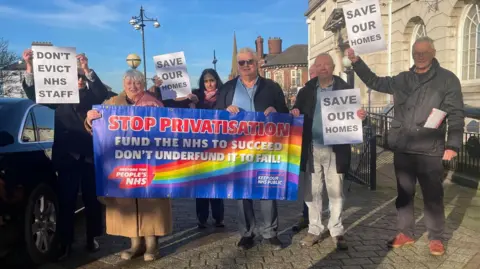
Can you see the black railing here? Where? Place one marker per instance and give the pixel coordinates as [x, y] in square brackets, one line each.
[363, 166]
[467, 161]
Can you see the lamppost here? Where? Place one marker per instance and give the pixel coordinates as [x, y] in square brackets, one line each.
[133, 60]
[214, 61]
[138, 23]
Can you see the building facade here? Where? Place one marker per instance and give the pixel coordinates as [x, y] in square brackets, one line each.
[453, 25]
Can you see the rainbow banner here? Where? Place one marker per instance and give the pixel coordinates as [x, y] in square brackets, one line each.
[147, 152]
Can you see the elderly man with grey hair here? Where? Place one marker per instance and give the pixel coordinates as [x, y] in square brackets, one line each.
[418, 145]
[321, 165]
[72, 153]
[251, 92]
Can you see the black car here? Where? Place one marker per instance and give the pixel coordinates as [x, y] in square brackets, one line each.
[28, 203]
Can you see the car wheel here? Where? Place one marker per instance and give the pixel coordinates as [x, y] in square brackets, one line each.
[41, 216]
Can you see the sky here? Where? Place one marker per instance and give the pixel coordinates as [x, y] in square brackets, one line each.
[101, 30]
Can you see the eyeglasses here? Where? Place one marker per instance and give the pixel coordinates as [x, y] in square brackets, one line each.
[209, 80]
[421, 54]
[244, 62]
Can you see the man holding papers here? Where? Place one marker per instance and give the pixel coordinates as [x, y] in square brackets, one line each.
[424, 96]
[323, 165]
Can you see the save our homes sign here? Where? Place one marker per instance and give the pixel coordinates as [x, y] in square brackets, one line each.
[363, 21]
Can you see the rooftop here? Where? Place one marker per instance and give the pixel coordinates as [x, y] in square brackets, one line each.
[295, 54]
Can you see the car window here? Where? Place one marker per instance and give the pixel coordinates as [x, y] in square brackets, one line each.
[44, 119]
[28, 133]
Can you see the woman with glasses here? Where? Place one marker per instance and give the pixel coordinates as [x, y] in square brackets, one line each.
[208, 85]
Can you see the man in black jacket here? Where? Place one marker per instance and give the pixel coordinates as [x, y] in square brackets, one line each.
[320, 164]
[419, 149]
[72, 154]
[250, 92]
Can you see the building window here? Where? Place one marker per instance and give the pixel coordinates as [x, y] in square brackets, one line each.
[323, 20]
[313, 32]
[279, 78]
[267, 74]
[418, 31]
[296, 77]
[470, 45]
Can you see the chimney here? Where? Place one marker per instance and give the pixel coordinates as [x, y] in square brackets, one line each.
[259, 47]
[274, 45]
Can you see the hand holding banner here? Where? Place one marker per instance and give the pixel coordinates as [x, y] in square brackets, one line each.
[185, 153]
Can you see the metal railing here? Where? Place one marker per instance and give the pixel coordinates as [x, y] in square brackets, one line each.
[467, 161]
[363, 166]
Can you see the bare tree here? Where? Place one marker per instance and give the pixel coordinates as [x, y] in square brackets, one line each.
[9, 79]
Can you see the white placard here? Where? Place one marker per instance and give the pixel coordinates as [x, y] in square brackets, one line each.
[363, 20]
[341, 125]
[55, 75]
[172, 69]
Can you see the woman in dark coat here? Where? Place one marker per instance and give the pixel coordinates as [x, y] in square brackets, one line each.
[208, 84]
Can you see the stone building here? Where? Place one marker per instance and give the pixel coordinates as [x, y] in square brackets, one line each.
[453, 25]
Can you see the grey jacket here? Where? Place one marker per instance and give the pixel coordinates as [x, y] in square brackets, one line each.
[414, 99]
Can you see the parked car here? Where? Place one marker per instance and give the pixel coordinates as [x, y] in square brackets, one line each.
[28, 203]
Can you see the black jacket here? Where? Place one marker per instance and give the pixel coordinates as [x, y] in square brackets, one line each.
[268, 94]
[201, 99]
[414, 98]
[70, 136]
[306, 103]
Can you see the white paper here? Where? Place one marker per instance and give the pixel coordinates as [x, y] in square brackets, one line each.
[341, 125]
[364, 25]
[435, 119]
[55, 75]
[172, 70]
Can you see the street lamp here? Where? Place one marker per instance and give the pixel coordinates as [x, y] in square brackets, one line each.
[133, 60]
[214, 61]
[138, 22]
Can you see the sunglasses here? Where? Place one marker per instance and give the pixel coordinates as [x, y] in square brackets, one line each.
[244, 62]
[82, 77]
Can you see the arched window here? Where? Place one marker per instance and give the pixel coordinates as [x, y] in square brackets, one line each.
[418, 31]
[470, 44]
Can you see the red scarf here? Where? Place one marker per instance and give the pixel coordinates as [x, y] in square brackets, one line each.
[210, 98]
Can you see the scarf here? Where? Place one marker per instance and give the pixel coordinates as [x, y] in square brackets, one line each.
[210, 98]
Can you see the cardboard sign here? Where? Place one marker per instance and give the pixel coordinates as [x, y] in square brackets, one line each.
[363, 20]
[172, 70]
[55, 75]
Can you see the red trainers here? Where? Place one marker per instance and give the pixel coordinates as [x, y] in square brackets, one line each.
[436, 248]
[400, 240]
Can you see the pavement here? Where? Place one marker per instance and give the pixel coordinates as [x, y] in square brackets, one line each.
[370, 219]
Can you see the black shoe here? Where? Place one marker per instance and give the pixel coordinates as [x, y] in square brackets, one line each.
[302, 224]
[201, 225]
[274, 242]
[92, 245]
[219, 224]
[245, 242]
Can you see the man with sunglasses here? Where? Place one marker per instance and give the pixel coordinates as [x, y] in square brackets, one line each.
[72, 154]
[251, 92]
[420, 147]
